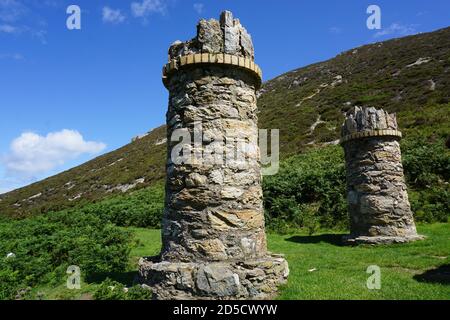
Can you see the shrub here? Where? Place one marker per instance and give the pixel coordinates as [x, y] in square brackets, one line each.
[431, 205]
[425, 163]
[44, 246]
[142, 208]
[309, 191]
[427, 172]
[113, 290]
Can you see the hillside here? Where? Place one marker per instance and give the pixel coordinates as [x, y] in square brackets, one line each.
[402, 75]
[136, 165]
[410, 76]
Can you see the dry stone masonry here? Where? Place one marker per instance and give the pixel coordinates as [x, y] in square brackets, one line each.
[378, 202]
[214, 242]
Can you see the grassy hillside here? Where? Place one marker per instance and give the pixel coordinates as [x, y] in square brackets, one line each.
[406, 76]
[410, 76]
[137, 165]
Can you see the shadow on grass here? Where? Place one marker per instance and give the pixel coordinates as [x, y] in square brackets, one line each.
[334, 239]
[439, 275]
[126, 278]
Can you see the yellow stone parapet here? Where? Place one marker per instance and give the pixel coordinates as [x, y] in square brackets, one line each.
[371, 133]
[212, 58]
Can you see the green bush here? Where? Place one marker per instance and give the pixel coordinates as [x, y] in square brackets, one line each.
[142, 208]
[425, 163]
[427, 172]
[308, 191]
[431, 205]
[113, 290]
[44, 246]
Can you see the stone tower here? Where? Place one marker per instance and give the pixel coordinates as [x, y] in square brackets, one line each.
[214, 242]
[377, 197]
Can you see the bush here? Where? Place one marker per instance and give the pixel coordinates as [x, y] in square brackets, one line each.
[113, 290]
[142, 208]
[427, 172]
[431, 205]
[44, 246]
[309, 191]
[425, 163]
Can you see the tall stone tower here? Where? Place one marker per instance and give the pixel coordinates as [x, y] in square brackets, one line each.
[214, 242]
[378, 202]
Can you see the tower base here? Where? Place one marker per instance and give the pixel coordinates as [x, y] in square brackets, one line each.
[377, 240]
[257, 279]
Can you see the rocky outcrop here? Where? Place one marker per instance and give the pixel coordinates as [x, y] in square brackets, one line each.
[376, 191]
[214, 241]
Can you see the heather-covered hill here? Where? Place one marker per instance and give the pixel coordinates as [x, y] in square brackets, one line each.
[407, 75]
[410, 76]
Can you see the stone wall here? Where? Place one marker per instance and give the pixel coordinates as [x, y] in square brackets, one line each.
[377, 196]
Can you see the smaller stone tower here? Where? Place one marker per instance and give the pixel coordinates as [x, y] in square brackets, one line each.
[377, 197]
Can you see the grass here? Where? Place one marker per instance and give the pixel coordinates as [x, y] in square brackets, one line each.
[340, 272]
[148, 243]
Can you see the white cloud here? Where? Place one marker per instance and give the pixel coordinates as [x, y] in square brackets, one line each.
[12, 56]
[7, 28]
[112, 16]
[35, 33]
[38, 34]
[11, 10]
[335, 30]
[396, 29]
[16, 18]
[51, 3]
[32, 154]
[145, 7]
[199, 7]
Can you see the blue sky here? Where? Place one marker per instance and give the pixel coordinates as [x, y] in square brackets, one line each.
[67, 96]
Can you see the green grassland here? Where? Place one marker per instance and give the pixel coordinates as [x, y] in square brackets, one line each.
[341, 271]
[419, 270]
